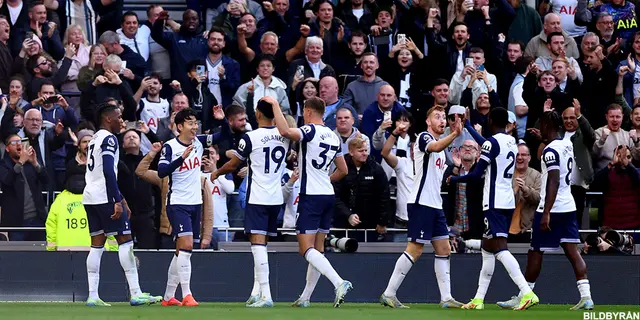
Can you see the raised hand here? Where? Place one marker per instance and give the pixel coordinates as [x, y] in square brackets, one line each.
[59, 128]
[73, 137]
[340, 33]
[577, 108]
[267, 6]
[305, 30]
[485, 12]
[455, 156]
[100, 80]
[69, 51]
[547, 105]
[218, 112]
[187, 151]
[251, 86]
[143, 127]
[631, 62]
[127, 73]
[52, 29]
[156, 147]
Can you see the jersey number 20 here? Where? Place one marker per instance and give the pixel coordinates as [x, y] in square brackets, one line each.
[324, 157]
[277, 155]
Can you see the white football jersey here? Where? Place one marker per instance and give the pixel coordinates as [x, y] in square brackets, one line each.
[319, 147]
[220, 188]
[184, 182]
[429, 168]
[500, 153]
[291, 201]
[265, 150]
[151, 113]
[102, 143]
[558, 155]
[404, 181]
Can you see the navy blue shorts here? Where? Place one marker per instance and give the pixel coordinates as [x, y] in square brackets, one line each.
[99, 218]
[314, 214]
[564, 229]
[261, 219]
[497, 223]
[426, 224]
[185, 220]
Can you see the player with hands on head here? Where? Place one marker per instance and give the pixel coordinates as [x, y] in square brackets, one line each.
[319, 148]
[427, 222]
[104, 205]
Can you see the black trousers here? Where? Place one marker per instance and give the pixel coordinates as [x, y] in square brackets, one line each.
[579, 196]
[144, 231]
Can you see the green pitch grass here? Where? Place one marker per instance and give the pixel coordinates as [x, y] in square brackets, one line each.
[283, 311]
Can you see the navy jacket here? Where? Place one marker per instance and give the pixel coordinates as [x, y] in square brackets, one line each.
[12, 184]
[183, 46]
[371, 120]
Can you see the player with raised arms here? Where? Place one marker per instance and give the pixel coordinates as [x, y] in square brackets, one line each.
[427, 221]
[555, 224]
[180, 161]
[498, 203]
[265, 150]
[107, 211]
[319, 148]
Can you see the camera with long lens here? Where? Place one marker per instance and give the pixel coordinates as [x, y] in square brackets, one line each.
[341, 244]
[620, 243]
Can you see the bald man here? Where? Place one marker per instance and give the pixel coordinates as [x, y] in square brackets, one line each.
[329, 94]
[537, 47]
[374, 116]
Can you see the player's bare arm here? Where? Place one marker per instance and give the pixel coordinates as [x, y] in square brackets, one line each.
[281, 123]
[553, 184]
[441, 144]
[341, 169]
[229, 167]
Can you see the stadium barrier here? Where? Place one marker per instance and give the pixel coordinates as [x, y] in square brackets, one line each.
[228, 277]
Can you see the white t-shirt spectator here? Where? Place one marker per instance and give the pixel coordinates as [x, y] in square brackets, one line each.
[214, 78]
[220, 188]
[139, 43]
[566, 9]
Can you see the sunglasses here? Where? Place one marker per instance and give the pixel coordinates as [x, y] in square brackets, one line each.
[43, 63]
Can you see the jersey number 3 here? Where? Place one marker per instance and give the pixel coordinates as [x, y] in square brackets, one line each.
[324, 157]
[91, 162]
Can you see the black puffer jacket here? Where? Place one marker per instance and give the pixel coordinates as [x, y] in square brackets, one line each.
[364, 192]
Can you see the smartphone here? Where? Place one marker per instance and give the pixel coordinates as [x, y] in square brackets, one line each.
[300, 71]
[402, 38]
[205, 153]
[131, 125]
[139, 125]
[123, 66]
[25, 143]
[468, 62]
[387, 116]
[200, 71]
[481, 68]
[52, 99]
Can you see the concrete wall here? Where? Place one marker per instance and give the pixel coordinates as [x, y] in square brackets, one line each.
[225, 276]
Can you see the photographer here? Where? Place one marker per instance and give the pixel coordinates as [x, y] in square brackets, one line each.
[619, 182]
[608, 241]
[362, 197]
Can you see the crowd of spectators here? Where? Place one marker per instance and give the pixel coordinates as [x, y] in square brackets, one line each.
[379, 65]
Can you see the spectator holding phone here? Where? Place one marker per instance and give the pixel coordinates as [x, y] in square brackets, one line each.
[39, 68]
[74, 36]
[474, 72]
[54, 107]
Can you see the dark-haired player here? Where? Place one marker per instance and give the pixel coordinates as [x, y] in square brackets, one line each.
[555, 224]
[320, 147]
[265, 149]
[498, 159]
[107, 211]
[180, 160]
[427, 222]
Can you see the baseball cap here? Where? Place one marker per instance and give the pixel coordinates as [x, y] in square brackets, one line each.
[456, 109]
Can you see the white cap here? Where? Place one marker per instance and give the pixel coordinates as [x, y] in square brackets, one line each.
[456, 109]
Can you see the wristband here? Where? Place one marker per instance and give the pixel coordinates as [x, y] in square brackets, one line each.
[395, 135]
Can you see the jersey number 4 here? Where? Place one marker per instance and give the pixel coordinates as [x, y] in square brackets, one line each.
[91, 162]
[276, 155]
[324, 157]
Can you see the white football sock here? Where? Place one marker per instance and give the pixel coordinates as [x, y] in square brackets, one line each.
[584, 288]
[128, 263]
[320, 262]
[261, 264]
[172, 279]
[513, 268]
[184, 271]
[313, 275]
[256, 285]
[473, 244]
[403, 265]
[93, 270]
[442, 266]
[488, 265]
[531, 285]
